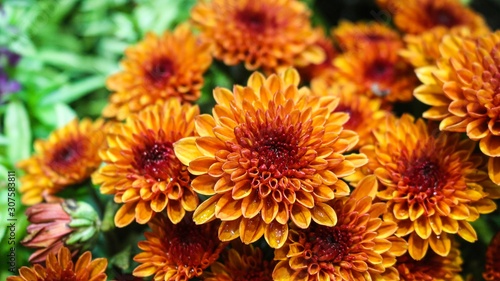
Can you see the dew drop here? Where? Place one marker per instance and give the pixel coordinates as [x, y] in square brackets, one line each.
[438, 237]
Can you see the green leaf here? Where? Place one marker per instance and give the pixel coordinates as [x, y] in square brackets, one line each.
[75, 91]
[55, 115]
[17, 131]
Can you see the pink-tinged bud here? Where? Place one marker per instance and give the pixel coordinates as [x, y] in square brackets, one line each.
[54, 225]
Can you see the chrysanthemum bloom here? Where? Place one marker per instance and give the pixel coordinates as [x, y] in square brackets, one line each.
[432, 183]
[463, 92]
[423, 49]
[431, 267]
[158, 68]
[357, 37]
[359, 247]
[270, 153]
[271, 35]
[325, 67]
[492, 269]
[141, 168]
[417, 16]
[241, 263]
[67, 157]
[177, 251]
[61, 267]
[365, 114]
[379, 73]
[53, 225]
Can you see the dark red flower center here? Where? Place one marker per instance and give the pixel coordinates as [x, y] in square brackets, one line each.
[274, 147]
[253, 274]
[67, 155]
[161, 70]
[380, 70]
[190, 245]
[443, 16]
[329, 244]
[424, 175]
[66, 274]
[254, 20]
[157, 161]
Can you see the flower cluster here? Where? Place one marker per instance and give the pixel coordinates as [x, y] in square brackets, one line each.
[311, 170]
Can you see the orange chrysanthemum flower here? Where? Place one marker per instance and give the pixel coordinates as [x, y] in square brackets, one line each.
[177, 251]
[357, 37]
[67, 157]
[142, 170]
[433, 184]
[158, 68]
[364, 114]
[423, 49]
[417, 16]
[463, 91]
[378, 73]
[492, 269]
[431, 267]
[270, 152]
[271, 35]
[359, 247]
[61, 267]
[242, 262]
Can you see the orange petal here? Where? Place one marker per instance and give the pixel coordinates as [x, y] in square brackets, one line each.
[423, 227]
[201, 165]
[324, 214]
[466, 231]
[301, 216]
[175, 212]
[251, 205]
[204, 184]
[143, 212]
[204, 125]
[145, 270]
[209, 146]
[494, 169]
[206, 210]
[269, 209]
[490, 145]
[453, 124]
[276, 234]
[229, 230]
[417, 247]
[186, 150]
[228, 209]
[251, 229]
[98, 266]
[441, 244]
[366, 187]
[125, 215]
[282, 272]
[159, 203]
[477, 129]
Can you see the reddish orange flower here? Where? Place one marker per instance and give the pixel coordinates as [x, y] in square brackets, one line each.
[357, 37]
[270, 153]
[359, 247]
[242, 262]
[61, 267]
[492, 269]
[158, 68]
[463, 89]
[417, 16]
[67, 157]
[423, 49]
[364, 114]
[378, 73]
[177, 251]
[141, 168]
[65, 223]
[271, 34]
[431, 267]
[432, 184]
